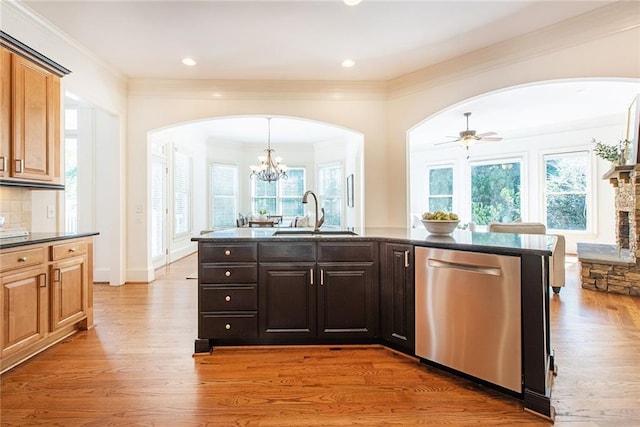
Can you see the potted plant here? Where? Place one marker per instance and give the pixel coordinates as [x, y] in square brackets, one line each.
[262, 215]
[616, 154]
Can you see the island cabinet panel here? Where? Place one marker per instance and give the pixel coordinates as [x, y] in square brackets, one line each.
[314, 292]
[227, 294]
[287, 301]
[346, 300]
[397, 296]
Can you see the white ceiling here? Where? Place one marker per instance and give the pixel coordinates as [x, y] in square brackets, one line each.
[307, 40]
[294, 39]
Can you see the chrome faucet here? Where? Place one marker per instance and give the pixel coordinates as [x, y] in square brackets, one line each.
[319, 221]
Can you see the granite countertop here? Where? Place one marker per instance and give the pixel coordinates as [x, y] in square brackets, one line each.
[35, 238]
[499, 243]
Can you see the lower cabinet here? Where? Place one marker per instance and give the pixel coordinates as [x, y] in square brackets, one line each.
[288, 295]
[317, 292]
[24, 302]
[45, 296]
[346, 300]
[397, 296]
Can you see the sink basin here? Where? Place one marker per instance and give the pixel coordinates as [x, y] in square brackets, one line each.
[303, 233]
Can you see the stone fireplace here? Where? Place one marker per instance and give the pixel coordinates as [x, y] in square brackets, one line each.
[615, 268]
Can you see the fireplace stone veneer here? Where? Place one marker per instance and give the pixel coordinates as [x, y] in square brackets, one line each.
[615, 268]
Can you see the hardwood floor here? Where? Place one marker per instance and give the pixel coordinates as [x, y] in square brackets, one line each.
[136, 368]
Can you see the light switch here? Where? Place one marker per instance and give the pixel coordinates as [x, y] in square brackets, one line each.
[51, 211]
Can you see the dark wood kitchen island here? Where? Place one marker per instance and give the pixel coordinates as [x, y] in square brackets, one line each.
[264, 286]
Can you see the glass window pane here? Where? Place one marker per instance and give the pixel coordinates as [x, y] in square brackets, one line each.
[566, 184]
[444, 204]
[182, 193]
[567, 212]
[495, 193]
[282, 197]
[330, 193]
[224, 193]
[441, 181]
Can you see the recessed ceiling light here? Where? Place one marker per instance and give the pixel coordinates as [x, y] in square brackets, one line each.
[351, 2]
[188, 61]
[348, 63]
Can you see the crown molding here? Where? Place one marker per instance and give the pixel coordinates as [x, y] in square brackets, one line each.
[608, 20]
[260, 89]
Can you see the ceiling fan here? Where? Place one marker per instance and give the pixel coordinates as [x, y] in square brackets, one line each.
[468, 137]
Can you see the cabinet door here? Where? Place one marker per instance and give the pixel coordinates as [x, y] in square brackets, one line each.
[5, 110]
[347, 303]
[397, 300]
[36, 121]
[287, 302]
[68, 292]
[24, 309]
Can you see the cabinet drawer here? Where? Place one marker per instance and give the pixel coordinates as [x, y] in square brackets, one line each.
[289, 251]
[352, 251]
[221, 326]
[231, 252]
[230, 273]
[228, 298]
[21, 258]
[68, 250]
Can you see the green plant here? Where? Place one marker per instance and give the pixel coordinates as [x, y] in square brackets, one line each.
[612, 153]
[262, 211]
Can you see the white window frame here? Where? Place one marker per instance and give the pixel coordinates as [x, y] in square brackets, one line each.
[188, 192]
[279, 196]
[321, 191]
[427, 181]
[590, 191]
[213, 196]
[522, 160]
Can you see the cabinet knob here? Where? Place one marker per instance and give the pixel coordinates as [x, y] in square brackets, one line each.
[227, 273]
[22, 259]
[227, 298]
[72, 250]
[227, 326]
[227, 252]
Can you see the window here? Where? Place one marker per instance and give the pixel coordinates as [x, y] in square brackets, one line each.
[158, 205]
[71, 169]
[495, 192]
[181, 193]
[440, 188]
[282, 197]
[224, 195]
[330, 193]
[565, 193]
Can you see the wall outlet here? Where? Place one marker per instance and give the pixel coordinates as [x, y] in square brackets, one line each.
[51, 211]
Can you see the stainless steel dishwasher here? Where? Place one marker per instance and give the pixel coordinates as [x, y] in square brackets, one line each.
[468, 314]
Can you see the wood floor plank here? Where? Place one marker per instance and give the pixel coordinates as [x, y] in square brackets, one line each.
[136, 367]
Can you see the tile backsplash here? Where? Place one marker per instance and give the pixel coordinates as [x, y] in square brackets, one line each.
[15, 207]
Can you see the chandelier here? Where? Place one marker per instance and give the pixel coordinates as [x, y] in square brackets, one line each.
[270, 168]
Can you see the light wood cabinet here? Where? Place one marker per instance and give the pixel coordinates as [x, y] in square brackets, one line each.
[30, 99]
[46, 296]
[35, 122]
[69, 284]
[5, 111]
[24, 308]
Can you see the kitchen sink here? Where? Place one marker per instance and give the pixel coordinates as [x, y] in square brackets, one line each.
[313, 233]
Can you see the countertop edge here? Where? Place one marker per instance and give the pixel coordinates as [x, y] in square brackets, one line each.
[38, 238]
[380, 237]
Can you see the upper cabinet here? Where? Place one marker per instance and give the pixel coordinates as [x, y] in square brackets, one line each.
[30, 121]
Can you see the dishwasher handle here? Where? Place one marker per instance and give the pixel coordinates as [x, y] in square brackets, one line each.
[491, 271]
